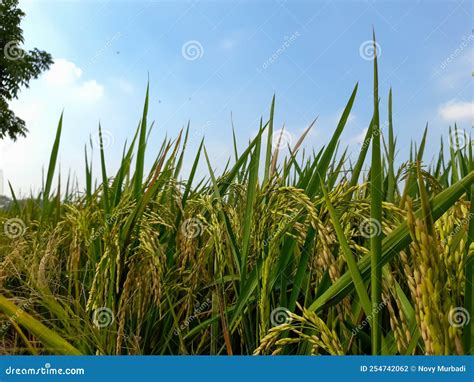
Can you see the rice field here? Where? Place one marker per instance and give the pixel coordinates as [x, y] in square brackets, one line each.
[304, 254]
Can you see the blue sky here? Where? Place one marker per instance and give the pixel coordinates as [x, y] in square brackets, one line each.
[206, 59]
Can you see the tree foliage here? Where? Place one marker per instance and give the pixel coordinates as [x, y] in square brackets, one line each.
[17, 67]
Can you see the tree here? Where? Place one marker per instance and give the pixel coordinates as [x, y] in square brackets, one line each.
[17, 67]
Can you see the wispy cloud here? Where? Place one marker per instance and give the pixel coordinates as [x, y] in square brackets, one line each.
[455, 110]
[359, 138]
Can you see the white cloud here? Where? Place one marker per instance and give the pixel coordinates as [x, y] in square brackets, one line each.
[62, 88]
[63, 73]
[29, 112]
[227, 44]
[456, 110]
[124, 85]
[90, 91]
[65, 76]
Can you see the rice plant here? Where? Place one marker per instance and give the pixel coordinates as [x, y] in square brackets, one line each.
[303, 254]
